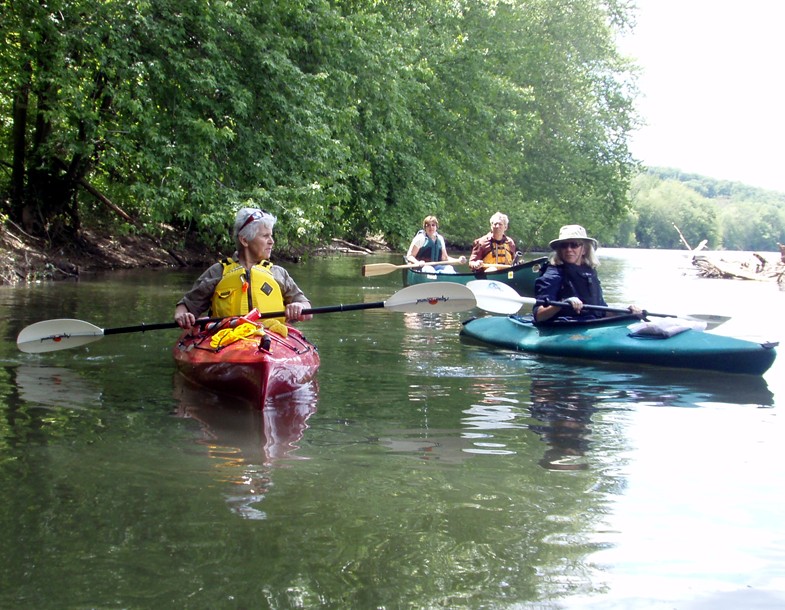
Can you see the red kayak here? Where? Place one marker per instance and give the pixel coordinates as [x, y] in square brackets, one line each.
[260, 367]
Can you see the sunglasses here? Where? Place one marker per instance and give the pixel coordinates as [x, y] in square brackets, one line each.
[253, 216]
[570, 244]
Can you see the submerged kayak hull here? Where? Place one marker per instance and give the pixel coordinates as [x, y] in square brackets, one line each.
[519, 277]
[258, 369]
[610, 340]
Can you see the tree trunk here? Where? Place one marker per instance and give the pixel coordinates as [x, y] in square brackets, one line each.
[21, 99]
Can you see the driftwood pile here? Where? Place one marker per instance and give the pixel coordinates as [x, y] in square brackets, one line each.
[754, 267]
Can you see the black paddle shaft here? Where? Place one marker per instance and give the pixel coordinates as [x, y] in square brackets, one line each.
[643, 314]
[269, 314]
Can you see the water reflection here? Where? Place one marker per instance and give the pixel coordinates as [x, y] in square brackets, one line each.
[675, 388]
[562, 412]
[559, 401]
[563, 403]
[55, 386]
[40, 403]
[484, 419]
[430, 334]
[246, 442]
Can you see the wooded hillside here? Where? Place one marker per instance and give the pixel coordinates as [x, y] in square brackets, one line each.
[729, 215]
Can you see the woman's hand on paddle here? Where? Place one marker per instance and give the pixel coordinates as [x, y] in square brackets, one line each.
[184, 318]
[294, 312]
[576, 303]
[635, 309]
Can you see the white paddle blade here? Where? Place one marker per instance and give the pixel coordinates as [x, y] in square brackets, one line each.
[711, 320]
[497, 297]
[54, 335]
[433, 297]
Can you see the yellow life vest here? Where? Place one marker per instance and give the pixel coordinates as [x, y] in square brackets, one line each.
[499, 254]
[240, 290]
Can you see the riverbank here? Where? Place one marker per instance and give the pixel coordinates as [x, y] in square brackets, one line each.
[25, 259]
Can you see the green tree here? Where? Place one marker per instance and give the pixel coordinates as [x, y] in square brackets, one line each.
[343, 118]
[664, 206]
[747, 227]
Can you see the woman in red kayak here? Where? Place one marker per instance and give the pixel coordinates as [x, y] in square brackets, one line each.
[234, 286]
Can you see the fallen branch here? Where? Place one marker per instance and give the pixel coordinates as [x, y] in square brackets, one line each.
[697, 248]
[106, 201]
[681, 236]
[351, 247]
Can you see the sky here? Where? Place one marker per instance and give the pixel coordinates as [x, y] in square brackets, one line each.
[712, 88]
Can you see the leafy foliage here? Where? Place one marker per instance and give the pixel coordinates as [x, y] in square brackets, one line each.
[729, 215]
[345, 118]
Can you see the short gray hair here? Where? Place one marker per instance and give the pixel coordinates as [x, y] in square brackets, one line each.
[501, 218]
[249, 221]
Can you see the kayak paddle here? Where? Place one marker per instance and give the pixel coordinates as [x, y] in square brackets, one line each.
[373, 269]
[500, 298]
[435, 297]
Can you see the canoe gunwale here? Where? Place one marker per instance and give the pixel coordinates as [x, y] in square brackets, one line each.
[519, 277]
[481, 274]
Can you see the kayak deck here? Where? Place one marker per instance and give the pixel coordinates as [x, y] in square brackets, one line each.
[257, 368]
[609, 339]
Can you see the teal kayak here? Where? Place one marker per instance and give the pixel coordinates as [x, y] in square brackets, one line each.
[520, 277]
[610, 340]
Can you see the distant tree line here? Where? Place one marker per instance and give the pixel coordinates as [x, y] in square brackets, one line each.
[345, 118]
[728, 215]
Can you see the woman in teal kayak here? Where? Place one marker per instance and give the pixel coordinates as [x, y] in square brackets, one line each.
[247, 280]
[571, 276]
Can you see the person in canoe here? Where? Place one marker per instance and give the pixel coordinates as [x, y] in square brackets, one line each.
[571, 276]
[234, 286]
[495, 249]
[428, 248]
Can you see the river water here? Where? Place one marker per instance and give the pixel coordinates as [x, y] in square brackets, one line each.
[418, 472]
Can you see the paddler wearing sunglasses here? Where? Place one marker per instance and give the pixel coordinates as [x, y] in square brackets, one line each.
[571, 276]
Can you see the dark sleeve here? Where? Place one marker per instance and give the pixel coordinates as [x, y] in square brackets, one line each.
[547, 286]
[599, 290]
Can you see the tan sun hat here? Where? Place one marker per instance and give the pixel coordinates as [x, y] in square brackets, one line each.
[570, 232]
